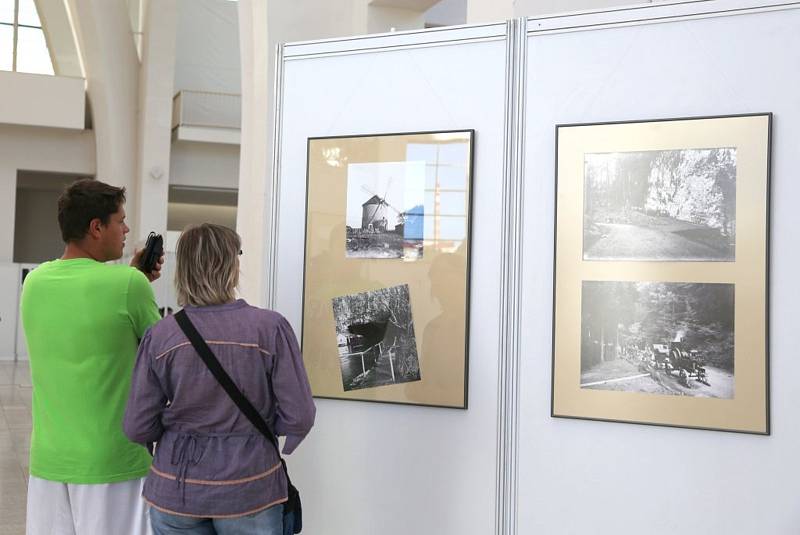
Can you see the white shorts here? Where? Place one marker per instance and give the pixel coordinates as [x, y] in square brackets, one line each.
[56, 508]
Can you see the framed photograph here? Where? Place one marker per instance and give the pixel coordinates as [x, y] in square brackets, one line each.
[386, 280]
[661, 272]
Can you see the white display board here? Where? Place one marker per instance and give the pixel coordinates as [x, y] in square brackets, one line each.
[371, 468]
[367, 467]
[594, 477]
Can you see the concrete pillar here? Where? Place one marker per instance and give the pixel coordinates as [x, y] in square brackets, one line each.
[60, 39]
[106, 46]
[258, 61]
[156, 77]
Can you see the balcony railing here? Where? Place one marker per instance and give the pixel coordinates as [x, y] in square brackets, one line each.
[207, 116]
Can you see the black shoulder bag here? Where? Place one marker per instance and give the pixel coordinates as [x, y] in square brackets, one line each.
[293, 504]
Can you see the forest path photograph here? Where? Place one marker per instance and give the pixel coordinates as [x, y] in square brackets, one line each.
[654, 237]
[673, 205]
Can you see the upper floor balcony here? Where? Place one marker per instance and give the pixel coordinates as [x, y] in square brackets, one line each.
[207, 117]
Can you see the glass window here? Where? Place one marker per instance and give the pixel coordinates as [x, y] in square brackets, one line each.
[6, 47]
[28, 16]
[21, 18]
[32, 53]
[7, 12]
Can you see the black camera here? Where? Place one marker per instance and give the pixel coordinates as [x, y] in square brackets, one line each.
[153, 250]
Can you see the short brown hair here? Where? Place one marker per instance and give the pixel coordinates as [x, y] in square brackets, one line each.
[207, 265]
[84, 200]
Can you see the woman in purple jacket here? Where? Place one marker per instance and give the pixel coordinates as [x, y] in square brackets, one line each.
[213, 472]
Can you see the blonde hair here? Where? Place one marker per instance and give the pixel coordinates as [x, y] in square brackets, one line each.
[207, 266]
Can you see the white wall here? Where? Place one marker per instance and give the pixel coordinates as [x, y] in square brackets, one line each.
[37, 149]
[594, 477]
[41, 100]
[532, 8]
[447, 13]
[204, 164]
[381, 19]
[37, 236]
[482, 11]
[207, 46]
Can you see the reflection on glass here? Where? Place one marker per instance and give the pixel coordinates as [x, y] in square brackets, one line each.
[446, 190]
[6, 15]
[6, 47]
[452, 203]
[448, 176]
[450, 232]
[32, 53]
[422, 151]
[28, 15]
[453, 153]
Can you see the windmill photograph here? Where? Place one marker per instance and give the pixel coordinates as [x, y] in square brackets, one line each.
[375, 335]
[385, 210]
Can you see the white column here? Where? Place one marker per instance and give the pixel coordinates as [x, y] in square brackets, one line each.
[105, 43]
[156, 77]
[256, 147]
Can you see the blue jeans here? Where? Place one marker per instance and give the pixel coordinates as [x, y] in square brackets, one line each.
[267, 522]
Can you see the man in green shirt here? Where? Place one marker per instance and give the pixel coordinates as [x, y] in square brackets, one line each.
[83, 320]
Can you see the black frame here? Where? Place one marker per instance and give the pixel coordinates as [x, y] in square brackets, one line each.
[768, 186]
[468, 274]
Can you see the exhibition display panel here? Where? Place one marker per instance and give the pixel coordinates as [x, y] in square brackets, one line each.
[386, 283]
[359, 119]
[661, 272]
[618, 274]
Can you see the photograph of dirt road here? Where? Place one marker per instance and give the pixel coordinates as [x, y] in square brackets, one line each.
[658, 338]
[668, 205]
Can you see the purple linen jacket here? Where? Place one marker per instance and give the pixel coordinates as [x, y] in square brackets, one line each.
[210, 461]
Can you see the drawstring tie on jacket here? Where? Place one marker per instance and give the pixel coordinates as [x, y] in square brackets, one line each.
[186, 451]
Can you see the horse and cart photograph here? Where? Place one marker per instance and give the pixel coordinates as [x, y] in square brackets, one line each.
[658, 338]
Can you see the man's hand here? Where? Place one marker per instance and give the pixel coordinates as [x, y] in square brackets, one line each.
[153, 275]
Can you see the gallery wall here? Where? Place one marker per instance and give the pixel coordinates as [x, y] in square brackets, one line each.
[370, 467]
[399, 469]
[597, 477]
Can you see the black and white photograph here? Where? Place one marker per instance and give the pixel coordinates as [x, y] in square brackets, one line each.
[663, 205]
[375, 336]
[385, 210]
[658, 338]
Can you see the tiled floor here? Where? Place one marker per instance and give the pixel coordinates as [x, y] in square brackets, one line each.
[15, 442]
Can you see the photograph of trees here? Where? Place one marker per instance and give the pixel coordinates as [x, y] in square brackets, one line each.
[677, 205]
[658, 338]
[375, 336]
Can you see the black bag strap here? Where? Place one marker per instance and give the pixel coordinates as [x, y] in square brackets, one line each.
[225, 381]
